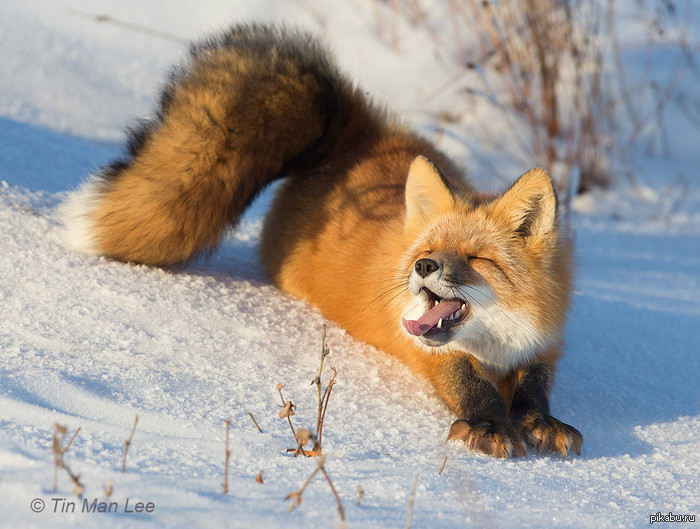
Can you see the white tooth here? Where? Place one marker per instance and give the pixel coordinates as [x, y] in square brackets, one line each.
[439, 325]
[459, 313]
[464, 306]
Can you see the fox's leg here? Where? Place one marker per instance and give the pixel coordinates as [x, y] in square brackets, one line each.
[483, 424]
[529, 413]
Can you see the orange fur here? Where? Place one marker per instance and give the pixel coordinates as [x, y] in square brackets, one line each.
[362, 206]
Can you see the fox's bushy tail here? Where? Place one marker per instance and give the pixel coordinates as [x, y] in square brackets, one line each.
[249, 106]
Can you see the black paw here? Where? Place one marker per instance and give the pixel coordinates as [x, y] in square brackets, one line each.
[492, 437]
[544, 432]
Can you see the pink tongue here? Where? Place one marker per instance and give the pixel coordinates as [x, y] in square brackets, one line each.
[430, 319]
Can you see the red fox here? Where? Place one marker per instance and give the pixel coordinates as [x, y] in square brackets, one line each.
[372, 224]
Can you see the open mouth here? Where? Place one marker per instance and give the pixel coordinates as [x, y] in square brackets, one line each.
[440, 316]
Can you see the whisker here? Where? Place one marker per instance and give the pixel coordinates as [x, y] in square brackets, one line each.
[389, 301]
[487, 296]
[391, 280]
[459, 288]
[490, 298]
[389, 291]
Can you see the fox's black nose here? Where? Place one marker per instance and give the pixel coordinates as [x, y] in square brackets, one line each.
[425, 267]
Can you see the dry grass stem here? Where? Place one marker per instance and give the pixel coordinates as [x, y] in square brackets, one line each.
[297, 498]
[394, 11]
[303, 436]
[127, 443]
[360, 494]
[326, 398]
[59, 450]
[323, 396]
[411, 500]
[250, 413]
[325, 351]
[442, 467]
[75, 434]
[227, 453]
[108, 489]
[287, 412]
[341, 511]
[129, 26]
[313, 12]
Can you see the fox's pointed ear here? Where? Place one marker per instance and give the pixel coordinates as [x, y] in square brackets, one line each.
[530, 205]
[427, 194]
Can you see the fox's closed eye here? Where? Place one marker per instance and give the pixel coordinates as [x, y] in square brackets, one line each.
[485, 262]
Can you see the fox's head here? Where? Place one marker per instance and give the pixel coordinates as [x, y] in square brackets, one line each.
[490, 276]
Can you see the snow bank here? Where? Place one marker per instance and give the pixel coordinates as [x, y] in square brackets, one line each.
[90, 343]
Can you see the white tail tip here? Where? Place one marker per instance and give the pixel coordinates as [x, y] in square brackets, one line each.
[76, 215]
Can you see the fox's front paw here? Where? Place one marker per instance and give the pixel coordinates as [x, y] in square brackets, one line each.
[547, 433]
[491, 437]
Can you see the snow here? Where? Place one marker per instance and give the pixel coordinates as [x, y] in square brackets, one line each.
[91, 343]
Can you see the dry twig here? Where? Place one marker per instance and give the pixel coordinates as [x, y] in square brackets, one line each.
[341, 511]
[227, 452]
[59, 450]
[287, 412]
[324, 397]
[250, 413]
[127, 443]
[129, 26]
[297, 498]
[443, 466]
[303, 436]
[411, 499]
[108, 489]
